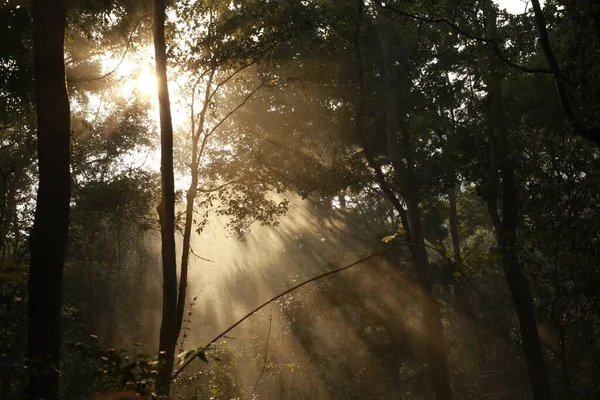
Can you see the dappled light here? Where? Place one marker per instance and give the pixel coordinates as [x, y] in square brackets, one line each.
[299, 200]
[141, 82]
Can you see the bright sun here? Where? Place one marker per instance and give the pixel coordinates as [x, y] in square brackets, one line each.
[136, 79]
[136, 76]
[141, 82]
[134, 73]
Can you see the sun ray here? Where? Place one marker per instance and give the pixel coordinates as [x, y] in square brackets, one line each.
[141, 82]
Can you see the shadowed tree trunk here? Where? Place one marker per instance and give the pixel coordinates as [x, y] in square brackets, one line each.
[166, 209]
[505, 217]
[589, 133]
[435, 351]
[50, 228]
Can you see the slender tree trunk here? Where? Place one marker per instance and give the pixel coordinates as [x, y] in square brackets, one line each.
[166, 209]
[192, 192]
[506, 223]
[112, 334]
[435, 351]
[4, 219]
[342, 200]
[90, 295]
[50, 228]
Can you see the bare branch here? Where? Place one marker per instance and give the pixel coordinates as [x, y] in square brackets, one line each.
[273, 299]
[106, 75]
[200, 257]
[240, 105]
[214, 189]
[241, 68]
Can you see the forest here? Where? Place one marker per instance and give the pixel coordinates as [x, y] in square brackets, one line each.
[299, 199]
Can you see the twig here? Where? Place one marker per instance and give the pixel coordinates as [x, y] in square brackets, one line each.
[266, 351]
[187, 320]
[106, 75]
[240, 105]
[197, 256]
[214, 189]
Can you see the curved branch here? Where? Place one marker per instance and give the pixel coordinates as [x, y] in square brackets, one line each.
[468, 35]
[593, 133]
[280, 295]
[109, 73]
[232, 111]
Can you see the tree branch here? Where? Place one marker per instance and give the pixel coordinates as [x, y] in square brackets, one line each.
[466, 34]
[593, 133]
[214, 189]
[231, 112]
[106, 75]
[266, 303]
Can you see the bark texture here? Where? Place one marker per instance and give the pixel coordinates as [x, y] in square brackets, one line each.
[166, 209]
[50, 229]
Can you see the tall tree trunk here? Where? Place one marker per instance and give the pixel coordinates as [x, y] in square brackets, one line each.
[50, 228]
[435, 351]
[506, 222]
[166, 209]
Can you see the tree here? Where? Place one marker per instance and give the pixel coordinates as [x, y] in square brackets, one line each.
[50, 229]
[506, 222]
[402, 159]
[589, 133]
[166, 209]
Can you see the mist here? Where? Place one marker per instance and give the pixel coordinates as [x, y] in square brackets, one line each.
[299, 200]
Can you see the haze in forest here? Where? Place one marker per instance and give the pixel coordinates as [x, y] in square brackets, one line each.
[299, 200]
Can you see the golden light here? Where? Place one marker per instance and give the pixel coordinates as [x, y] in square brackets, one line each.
[141, 81]
[136, 78]
[133, 73]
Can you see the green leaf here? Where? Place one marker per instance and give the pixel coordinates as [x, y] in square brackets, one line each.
[389, 238]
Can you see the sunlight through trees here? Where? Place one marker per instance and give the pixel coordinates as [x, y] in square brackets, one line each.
[299, 199]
